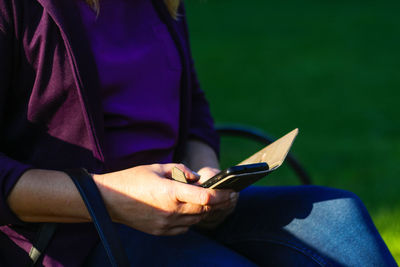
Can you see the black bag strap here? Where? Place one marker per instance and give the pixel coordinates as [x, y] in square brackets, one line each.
[45, 233]
[101, 219]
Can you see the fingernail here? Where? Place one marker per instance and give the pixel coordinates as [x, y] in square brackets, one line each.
[196, 174]
[234, 195]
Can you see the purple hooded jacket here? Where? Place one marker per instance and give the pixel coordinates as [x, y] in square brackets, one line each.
[51, 115]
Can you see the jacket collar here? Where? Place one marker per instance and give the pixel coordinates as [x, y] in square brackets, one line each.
[66, 16]
[185, 93]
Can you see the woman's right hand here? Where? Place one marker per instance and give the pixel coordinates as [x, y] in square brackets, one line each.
[144, 198]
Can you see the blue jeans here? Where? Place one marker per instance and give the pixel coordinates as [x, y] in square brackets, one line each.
[271, 226]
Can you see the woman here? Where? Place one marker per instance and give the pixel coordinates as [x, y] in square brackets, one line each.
[114, 91]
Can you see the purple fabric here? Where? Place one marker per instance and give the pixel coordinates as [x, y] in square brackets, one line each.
[51, 113]
[12, 171]
[140, 72]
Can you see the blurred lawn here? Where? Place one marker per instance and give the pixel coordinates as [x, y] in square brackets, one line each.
[330, 68]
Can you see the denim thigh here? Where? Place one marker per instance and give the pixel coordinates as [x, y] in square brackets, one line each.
[303, 226]
[189, 249]
[271, 226]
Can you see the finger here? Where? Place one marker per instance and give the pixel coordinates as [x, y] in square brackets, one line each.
[190, 175]
[231, 202]
[178, 221]
[213, 220]
[193, 178]
[201, 196]
[223, 206]
[215, 214]
[193, 209]
[206, 173]
[207, 210]
[176, 231]
[188, 220]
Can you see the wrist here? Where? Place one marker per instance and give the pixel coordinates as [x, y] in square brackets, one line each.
[105, 193]
[112, 195]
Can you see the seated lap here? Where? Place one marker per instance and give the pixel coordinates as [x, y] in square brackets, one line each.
[274, 226]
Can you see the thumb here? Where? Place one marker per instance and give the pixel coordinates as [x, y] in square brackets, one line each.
[201, 196]
[181, 170]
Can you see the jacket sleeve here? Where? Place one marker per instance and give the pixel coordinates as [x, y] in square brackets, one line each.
[10, 170]
[201, 121]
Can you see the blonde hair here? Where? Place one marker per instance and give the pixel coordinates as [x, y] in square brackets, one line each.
[172, 6]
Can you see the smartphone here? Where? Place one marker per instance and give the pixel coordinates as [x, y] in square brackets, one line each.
[238, 177]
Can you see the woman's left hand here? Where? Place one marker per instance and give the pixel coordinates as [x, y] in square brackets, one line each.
[202, 158]
[217, 216]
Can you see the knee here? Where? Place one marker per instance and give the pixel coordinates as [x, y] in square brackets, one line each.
[339, 205]
[321, 193]
[286, 203]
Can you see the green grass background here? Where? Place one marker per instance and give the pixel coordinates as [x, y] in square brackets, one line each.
[330, 68]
